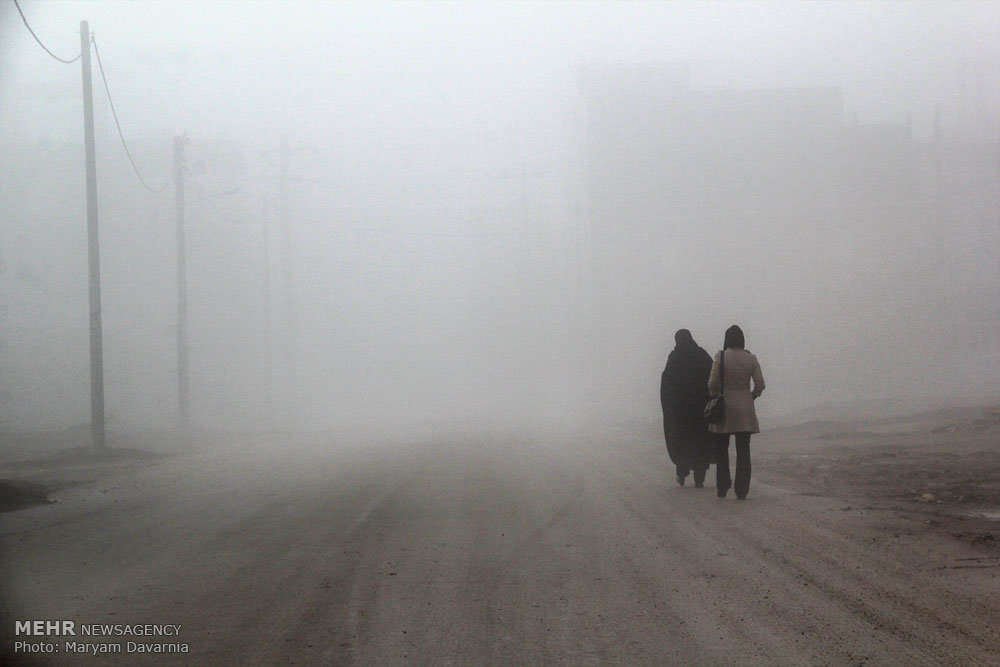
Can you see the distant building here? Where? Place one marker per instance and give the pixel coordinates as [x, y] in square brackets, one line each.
[670, 172]
[880, 162]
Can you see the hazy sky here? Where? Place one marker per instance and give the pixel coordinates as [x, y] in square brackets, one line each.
[315, 61]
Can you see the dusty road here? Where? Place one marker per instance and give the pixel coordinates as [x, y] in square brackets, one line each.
[488, 551]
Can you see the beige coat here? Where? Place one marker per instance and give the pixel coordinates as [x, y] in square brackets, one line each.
[741, 366]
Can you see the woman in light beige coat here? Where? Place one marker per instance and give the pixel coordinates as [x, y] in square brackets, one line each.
[738, 368]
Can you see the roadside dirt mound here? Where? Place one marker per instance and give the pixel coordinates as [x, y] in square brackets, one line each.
[16, 494]
[86, 455]
[28, 482]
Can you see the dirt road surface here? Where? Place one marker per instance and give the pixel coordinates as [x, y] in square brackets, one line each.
[489, 550]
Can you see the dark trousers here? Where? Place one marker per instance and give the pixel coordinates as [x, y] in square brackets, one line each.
[722, 479]
[693, 453]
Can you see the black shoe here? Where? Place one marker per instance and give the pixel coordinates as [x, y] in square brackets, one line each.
[741, 496]
[721, 492]
[699, 485]
[680, 480]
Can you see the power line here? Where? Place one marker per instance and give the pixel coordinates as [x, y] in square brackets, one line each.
[114, 113]
[62, 60]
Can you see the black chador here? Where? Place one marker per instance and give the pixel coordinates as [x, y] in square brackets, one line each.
[683, 394]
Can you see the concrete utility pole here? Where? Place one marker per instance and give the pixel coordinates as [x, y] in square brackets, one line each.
[93, 252]
[183, 386]
[937, 150]
[289, 311]
[266, 305]
[287, 282]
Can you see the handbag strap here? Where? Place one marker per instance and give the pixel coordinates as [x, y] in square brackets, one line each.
[722, 371]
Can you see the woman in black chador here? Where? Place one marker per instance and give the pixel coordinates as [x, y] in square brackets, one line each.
[740, 418]
[683, 393]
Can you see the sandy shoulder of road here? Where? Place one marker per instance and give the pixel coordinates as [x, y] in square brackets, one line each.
[938, 469]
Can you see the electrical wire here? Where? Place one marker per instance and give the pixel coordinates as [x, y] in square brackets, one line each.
[118, 125]
[62, 60]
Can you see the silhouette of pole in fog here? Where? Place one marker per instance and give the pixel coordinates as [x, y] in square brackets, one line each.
[287, 278]
[288, 305]
[266, 314]
[183, 386]
[93, 252]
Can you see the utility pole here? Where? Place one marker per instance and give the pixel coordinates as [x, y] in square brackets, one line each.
[288, 287]
[93, 253]
[183, 387]
[289, 312]
[266, 324]
[937, 151]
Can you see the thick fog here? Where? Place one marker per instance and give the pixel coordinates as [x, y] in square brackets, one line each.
[498, 214]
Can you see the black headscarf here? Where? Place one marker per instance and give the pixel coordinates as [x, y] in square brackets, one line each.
[734, 338]
[684, 384]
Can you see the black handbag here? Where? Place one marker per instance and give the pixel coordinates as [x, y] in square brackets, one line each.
[715, 409]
